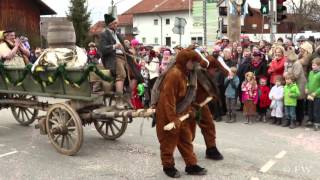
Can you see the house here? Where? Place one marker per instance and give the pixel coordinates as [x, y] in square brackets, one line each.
[254, 24]
[24, 17]
[154, 21]
[125, 25]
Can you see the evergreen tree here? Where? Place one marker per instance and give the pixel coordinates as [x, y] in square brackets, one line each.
[79, 15]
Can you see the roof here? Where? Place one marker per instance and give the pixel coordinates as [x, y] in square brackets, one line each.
[97, 28]
[44, 8]
[124, 20]
[157, 6]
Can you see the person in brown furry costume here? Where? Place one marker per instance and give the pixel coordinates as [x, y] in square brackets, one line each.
[206, 87]
[172, 91]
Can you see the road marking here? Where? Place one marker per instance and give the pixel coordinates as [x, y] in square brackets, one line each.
[267, 166]
[5, 127]
[281, 154]
[7, 154]
[300, 136]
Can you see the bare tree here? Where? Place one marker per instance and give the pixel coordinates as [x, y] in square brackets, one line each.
[306, 14]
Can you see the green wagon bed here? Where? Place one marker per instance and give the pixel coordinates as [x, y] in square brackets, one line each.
[30, 84]
[20, 89]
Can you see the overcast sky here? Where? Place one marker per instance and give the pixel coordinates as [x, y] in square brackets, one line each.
[98, 7]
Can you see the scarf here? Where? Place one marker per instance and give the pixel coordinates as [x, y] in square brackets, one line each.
[256, 63]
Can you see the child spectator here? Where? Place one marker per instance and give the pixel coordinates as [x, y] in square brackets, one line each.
[231, 83]
[263, 99]
[146, 77]
[93, 56]
[313, 92]
[276, 95]
[249, 96]
[291, 94]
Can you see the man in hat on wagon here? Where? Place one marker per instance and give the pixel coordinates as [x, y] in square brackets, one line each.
[114, 57]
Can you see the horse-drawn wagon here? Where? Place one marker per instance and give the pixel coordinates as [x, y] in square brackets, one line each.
[21, 87]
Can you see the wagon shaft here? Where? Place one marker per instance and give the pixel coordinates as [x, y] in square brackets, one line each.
[126, 113]
[25, 103]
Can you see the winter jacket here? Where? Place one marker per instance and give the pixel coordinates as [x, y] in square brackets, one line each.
[259, 69]
[296, 69]
[263, 93]
[313, 85]
[230, 63]
[232, 86]
[291, 94]
[276, 68]
[277, 103]
[244, 67]
[153, 67]
[249, 92]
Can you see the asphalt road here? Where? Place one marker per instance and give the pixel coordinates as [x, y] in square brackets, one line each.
[252, 152]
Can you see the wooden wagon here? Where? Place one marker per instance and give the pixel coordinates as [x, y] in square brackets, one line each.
[20, 89]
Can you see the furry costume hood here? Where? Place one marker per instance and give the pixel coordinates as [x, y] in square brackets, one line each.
[184, 56]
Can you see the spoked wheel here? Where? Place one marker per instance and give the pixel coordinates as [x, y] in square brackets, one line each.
[111, 128]
[25, 116]
[64, 129]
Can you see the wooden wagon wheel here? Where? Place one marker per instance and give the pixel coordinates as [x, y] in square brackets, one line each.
[25, 116]
[111, 128]
[64, 129]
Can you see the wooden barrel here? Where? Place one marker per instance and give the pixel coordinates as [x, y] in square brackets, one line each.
[61, 34]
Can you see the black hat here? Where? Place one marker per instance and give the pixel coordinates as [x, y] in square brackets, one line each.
[108, 19]
[8, 31]
[257, 53]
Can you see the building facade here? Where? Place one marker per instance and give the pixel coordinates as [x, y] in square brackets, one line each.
[23, 17]
[157, 29]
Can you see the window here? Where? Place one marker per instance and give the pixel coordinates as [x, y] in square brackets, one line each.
[223, 11]
[198, 40]
[193, 40]
[156, 40]
[167, 21]
[155, 22]
[144, 40]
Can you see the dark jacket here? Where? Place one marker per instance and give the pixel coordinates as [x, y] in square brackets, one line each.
[230, 63]
[260, 70]
[106, 49]
[243, 68]
[109, 54]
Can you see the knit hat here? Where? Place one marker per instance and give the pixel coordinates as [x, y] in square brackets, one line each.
[108, 19]
[301, 38]
[307, 47]
[292, 56]
[134, 42]
[92, 44]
